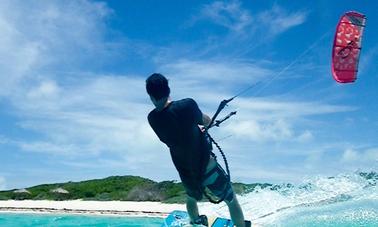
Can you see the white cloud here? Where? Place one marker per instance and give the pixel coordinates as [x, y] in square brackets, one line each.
[261, 131]
[46, 89]
[350, 155]
[268, 131]
[264, 119]
[46, 47]
[73, 114]
[233, 16]
[50, 148]
[40, 36]
[104, 114]
[305, 136]
[371, 155]
[336, 157]
[278, 20]
[360, 156]
[228, 14]
[215, 74]
[271, 108]
[17, 56]
[43, 44]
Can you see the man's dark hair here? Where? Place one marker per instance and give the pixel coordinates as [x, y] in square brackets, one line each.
[157, 86]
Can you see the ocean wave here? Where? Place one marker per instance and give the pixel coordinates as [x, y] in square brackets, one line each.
[276, 203]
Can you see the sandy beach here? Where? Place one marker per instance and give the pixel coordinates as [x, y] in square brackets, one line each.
[155, 209]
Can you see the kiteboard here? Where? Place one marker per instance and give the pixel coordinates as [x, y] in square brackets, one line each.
[180, 218]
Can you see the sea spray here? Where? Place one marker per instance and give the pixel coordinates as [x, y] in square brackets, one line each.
[322, 200]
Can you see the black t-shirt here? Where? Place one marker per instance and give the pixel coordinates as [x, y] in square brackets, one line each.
[177, 126]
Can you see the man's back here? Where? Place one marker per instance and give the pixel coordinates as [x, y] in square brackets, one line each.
[177, 126]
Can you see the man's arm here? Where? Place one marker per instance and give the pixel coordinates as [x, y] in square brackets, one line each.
[200, 118]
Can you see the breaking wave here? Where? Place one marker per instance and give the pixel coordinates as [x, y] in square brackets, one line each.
[345, 199]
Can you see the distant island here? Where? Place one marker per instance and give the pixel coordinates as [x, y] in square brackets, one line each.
[121, 188]
[130, 188]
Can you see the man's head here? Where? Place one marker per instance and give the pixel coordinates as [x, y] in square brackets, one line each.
[158, 89]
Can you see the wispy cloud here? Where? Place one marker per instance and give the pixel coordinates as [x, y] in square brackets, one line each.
[100, 115]
[45, 79]
[228, 14]
[262, 120]
[259, 131]
[354, 156]
[63, 36]
[36, 67]
[232, 15]
[237, 31]
[217, 74]
[278, 20]
[272, 108]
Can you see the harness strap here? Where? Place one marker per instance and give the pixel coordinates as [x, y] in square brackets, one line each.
[227, 171]
[214, 122]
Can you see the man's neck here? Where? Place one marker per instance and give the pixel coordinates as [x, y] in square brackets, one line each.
[162, 106]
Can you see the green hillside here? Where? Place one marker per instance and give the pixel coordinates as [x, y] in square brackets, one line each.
[123, 188]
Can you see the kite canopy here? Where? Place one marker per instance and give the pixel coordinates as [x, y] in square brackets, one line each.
[347, 47]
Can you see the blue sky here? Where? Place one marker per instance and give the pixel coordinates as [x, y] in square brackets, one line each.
[73, 104]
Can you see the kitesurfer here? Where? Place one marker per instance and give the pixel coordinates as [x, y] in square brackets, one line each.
[179, 124]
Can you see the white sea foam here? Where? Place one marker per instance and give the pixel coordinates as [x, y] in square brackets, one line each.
[353, 196]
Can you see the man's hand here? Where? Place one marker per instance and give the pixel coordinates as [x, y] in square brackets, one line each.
[202, 128]
[206, 120]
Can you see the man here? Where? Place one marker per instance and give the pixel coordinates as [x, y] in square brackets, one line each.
[179, 124]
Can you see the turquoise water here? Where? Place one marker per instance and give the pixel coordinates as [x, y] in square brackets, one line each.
[362, 213]
[33, 220]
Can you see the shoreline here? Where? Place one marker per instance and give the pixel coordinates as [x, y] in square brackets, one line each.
[80, 207]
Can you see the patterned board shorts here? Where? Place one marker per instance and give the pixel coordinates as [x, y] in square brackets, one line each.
[217, 181]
